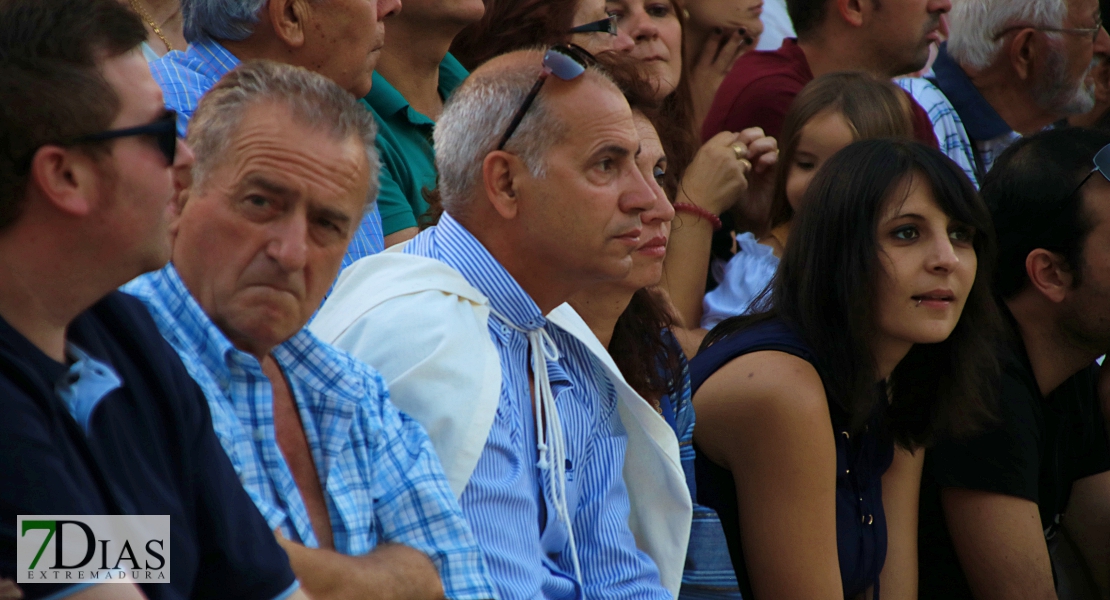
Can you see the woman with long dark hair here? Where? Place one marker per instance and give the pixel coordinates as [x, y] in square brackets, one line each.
[813, 417]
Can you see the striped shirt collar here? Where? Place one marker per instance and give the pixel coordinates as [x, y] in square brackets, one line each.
[192, 328]
[213, 55]
[452, 244]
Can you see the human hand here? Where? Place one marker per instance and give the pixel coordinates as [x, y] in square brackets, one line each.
[753, 211]
[711, 64]
[717, 177]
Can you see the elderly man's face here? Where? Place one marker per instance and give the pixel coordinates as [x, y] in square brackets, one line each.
[1063, 83]
[345, 39]
[261, 239]
[584, 215]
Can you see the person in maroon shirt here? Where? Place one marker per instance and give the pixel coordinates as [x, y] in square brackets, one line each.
[886, 40]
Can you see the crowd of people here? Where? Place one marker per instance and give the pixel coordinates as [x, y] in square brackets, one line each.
[605, 299]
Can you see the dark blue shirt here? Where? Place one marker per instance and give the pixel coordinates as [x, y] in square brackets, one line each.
[861, 460]
[149, 450]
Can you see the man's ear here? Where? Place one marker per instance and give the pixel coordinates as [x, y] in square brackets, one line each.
[1025, 52]
[852, 11]
[500, 171]
[66, 178]
[1049, 274]
[289, 19]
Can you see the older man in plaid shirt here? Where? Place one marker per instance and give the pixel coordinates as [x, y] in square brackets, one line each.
[351, 485]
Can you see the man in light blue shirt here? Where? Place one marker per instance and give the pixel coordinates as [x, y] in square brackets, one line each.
[340, 40]
[351, 485]
[542, 439]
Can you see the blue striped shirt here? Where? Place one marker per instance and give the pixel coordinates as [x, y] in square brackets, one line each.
[947, 124]
[506, 500]
[185, 76]
[708, 573]
[381, 479]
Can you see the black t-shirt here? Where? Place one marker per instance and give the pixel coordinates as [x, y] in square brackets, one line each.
[1038, 448]
[150, 450]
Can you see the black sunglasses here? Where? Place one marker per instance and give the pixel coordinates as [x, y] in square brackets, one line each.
[606, 25]
[565, 61]
[164, 131]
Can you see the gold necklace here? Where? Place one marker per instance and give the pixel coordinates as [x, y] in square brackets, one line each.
[138, 7]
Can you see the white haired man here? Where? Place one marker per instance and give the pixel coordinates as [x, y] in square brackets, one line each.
[1009, 68]
[542, 198]
[286, 168]
[339, 39]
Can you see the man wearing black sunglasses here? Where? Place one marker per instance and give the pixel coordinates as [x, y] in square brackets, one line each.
[99, 415]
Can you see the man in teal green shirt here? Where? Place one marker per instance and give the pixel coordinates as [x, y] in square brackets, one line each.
[414, 76]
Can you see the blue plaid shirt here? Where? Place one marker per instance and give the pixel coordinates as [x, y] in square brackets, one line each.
[507, 496]
[185, 76]
[381, 479]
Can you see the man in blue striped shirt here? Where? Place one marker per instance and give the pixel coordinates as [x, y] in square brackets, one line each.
[351, 485]
[340, 40]
[538, 432]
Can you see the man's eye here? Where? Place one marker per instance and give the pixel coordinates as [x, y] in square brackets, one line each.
[258, 201]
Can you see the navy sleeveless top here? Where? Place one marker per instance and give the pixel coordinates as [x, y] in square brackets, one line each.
[861, 461]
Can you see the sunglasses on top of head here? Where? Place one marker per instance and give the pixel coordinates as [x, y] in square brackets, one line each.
[1101, 165]
[565, 61]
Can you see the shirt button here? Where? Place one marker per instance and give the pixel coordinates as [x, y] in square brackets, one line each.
[867, 519]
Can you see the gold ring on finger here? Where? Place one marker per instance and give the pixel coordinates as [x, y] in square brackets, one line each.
[747, 165]
[740, 151]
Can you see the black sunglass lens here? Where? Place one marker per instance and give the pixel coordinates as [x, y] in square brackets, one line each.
[167, 137]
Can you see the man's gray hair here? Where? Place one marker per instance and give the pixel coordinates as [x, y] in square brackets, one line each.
[974, 25]
[314, 100]
[220, 19]
[475, 118]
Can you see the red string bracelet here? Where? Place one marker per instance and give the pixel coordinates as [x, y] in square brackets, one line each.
[694, 209]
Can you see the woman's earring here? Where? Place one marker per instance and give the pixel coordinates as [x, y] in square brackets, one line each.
[686, 13]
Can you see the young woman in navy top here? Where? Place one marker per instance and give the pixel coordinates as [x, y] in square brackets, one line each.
[814, 415]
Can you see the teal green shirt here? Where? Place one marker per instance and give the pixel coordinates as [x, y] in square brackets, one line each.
[405, 145]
